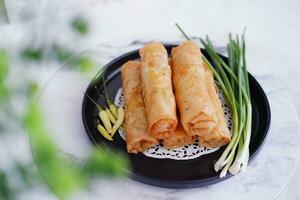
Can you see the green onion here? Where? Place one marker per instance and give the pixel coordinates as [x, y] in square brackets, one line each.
[232, 78]
[183, 33]
[235, 157]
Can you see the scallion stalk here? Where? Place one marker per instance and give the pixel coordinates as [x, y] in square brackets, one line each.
[235, 157]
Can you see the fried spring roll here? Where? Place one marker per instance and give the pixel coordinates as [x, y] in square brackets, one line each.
[178, 139]
[137, 137]
[157, 90]
[197, 112]
[220, 135]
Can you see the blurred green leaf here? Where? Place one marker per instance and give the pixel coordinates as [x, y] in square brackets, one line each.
[4, 70]
[32, 54]
[4, 93]
[61, 53]
[5, 189]
[2, 127]
[3, 12]
[32, 89]
[105, 162]
[84, 63]
[81, 62]
[59, 174]
[4, 64]
[27, 174]
[80, 25]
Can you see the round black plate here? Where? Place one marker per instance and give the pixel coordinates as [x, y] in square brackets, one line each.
[166, 172]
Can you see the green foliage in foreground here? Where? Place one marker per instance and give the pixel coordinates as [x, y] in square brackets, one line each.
[32, 54]
[80, 25]
[62, 176]
[4, 70]
[58, 173]
[5, 190]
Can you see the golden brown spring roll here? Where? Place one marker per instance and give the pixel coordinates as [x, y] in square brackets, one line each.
[157, 90]
[197, 112]
[178, 139]
[137, 137]
[220, 135]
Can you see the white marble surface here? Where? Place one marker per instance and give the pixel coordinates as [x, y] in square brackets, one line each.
[273, 42]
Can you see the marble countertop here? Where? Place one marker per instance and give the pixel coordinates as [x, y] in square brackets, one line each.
[122, 25]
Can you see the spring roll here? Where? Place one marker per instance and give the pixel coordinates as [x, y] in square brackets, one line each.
[220, 135]
[137, 136]
[178, 139]
[157, 91]
[197, 113]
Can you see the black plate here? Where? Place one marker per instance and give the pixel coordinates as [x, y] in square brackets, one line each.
[167, 172]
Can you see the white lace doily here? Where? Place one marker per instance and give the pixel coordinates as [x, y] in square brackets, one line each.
[183, 153]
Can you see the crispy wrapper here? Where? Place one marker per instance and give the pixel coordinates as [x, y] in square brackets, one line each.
[157, 91]
[137, 136]
[220, 135]
[197, 113]
[178, 139]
